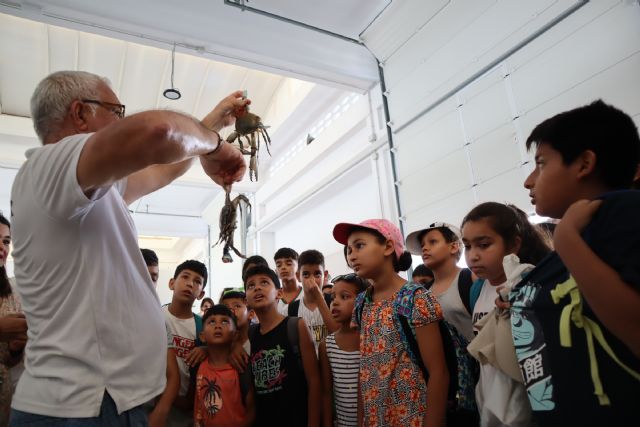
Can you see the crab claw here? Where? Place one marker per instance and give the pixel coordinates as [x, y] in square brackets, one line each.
[226, 256]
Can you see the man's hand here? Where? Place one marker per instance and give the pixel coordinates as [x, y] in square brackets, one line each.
[224, 114]
[195, 356]
[575, 219]
[225, 166]
[13, 327]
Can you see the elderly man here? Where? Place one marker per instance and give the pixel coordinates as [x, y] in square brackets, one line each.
[97, 339]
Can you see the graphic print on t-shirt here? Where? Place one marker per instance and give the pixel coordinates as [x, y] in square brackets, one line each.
[530, 346]
[268, 371]
[212, 395]
[182, 345]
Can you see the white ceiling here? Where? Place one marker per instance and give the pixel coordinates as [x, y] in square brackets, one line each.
[226, 33]
[30, 50]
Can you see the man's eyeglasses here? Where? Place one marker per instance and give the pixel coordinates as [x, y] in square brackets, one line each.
[117, 109]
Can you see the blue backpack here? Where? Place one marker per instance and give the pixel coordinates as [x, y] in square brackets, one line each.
[463, 369]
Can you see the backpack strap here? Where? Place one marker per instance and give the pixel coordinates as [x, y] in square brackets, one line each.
[358, 306]
[293, 308]
[476, 288]
[245, 384]
[402, 310]
[253, 330]
[294, 339]
[198, 321]
[464, 289]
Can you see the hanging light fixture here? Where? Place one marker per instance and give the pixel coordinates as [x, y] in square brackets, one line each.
[172, 93]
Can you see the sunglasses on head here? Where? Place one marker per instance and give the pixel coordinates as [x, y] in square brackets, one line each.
[233, 291]
[348, 277]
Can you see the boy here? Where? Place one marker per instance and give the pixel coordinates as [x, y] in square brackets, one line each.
[236, 301]
[440, 246]
[314, 305]
[574, 317]
[151, 259]
[286, 265]
[422, 275]
[183, 327]
[283, 361]
[223, 397]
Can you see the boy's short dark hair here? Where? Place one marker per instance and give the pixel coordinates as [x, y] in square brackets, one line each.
[150, 257]
[195, 266]
[220, 309]
[253, 260]
[233, 293]
[601, 128]
[285, 253]
[261, 269]
[311, 257]
[421, 270]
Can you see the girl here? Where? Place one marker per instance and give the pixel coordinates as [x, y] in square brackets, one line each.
[11, 350]
[492, 233]
[393, 390]
[340, 356]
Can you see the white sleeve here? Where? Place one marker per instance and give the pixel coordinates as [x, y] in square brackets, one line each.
[54, 179]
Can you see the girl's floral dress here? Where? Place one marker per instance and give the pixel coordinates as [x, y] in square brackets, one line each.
[393, 389]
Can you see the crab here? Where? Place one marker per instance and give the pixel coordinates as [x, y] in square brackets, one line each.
[229, 223]
[249, 126]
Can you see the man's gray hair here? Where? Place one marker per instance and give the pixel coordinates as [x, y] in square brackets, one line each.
[53, 96]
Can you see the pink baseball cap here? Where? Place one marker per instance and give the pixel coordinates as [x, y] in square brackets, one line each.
[388, 229]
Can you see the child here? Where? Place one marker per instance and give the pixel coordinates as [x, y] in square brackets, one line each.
[490, 232]
[253, 261]
[422, 275]
[340, 356]
[313, 307]
[283, 361]
[236, 301]
[441, 248]
[286, 265]
[221, 398]
[393, 387]
[205, 305]
[574, 319]
[184, 326]
[151, 260]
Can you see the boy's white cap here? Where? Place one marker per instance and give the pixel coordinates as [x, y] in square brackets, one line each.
[414, 245]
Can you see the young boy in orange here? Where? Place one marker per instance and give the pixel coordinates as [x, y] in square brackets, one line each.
[221, 397]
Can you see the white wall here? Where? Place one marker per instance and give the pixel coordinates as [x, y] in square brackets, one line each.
[470, 147]
[342, 175]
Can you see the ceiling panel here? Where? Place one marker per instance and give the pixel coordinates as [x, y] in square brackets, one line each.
[345, 17]
[215, 30]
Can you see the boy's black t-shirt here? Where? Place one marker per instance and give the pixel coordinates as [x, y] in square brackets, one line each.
[552, 337]
[279, 380]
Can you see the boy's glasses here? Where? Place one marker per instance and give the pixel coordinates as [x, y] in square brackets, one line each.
[233, 291]
[348, 277]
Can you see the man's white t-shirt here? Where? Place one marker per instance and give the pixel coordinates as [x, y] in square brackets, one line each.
[94, 318]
